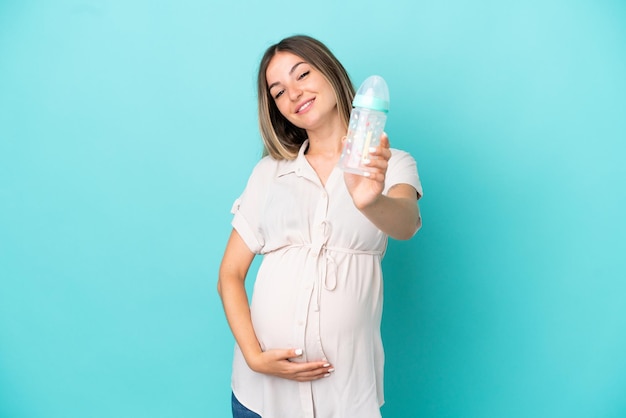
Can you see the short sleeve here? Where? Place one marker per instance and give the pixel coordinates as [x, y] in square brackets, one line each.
[247, 209]
[402, 169]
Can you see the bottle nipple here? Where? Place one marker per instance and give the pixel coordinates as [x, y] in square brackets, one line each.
[373, 94]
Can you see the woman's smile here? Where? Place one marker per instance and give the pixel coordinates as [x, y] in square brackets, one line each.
[302, 108]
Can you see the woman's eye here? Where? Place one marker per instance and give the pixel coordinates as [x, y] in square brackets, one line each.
[280, 93]
[304, 74]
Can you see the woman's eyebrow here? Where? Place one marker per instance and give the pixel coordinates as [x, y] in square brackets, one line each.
[290, 72]
[295, 66]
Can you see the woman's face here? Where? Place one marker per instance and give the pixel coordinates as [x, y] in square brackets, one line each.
[300, 91]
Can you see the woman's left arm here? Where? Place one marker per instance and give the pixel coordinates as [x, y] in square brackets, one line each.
[397, 213]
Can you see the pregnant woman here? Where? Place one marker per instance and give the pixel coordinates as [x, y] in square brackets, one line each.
[309, 343]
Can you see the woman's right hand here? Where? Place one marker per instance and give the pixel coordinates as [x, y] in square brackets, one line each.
[278, 363]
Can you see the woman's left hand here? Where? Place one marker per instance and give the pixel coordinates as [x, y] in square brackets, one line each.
[366, 189]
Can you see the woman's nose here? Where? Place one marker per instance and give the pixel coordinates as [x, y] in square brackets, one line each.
[295, 93]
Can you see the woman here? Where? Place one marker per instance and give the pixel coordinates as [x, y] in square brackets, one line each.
[309, 344]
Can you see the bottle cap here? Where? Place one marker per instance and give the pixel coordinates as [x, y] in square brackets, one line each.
[373, 94]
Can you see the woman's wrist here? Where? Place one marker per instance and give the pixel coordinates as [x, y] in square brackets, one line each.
[252, 357]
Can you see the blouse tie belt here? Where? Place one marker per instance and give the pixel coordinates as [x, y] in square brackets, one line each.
[327, 277]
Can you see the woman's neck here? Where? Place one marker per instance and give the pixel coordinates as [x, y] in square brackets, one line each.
[327, 141]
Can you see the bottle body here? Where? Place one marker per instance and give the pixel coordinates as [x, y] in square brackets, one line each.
[367, 122]
[364, 131]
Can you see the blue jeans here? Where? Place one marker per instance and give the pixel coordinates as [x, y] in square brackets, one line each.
[240, 411]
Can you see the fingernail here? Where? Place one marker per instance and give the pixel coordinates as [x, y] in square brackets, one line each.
[367, 161]
[366, 174]
[298, 352]
[372, 149]
[326, 365]
[327, 374]
[332, 369]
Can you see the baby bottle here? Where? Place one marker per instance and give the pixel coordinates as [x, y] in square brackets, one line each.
[367, 121]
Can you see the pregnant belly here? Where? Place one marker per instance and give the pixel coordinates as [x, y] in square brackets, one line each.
[289, 312]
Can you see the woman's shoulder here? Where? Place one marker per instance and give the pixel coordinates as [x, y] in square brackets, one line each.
[398, 156]
[268, 167]
[266, 163]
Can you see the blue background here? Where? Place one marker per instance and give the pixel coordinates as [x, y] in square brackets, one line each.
[127, 129]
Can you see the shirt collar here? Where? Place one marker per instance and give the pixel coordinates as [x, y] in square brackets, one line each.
[297, 166]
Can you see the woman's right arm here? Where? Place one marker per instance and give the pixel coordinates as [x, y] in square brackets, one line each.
[233, 270]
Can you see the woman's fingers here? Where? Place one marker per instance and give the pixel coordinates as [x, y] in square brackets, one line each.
[313, 371]
[384, 140]
[382, 151]
[376, 165]
[284, 363]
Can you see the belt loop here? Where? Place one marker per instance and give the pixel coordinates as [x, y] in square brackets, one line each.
[330, 276]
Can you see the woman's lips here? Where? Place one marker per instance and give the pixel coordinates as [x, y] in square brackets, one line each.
[305, 106]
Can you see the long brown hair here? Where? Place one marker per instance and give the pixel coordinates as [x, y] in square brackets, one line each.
[282, 139]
